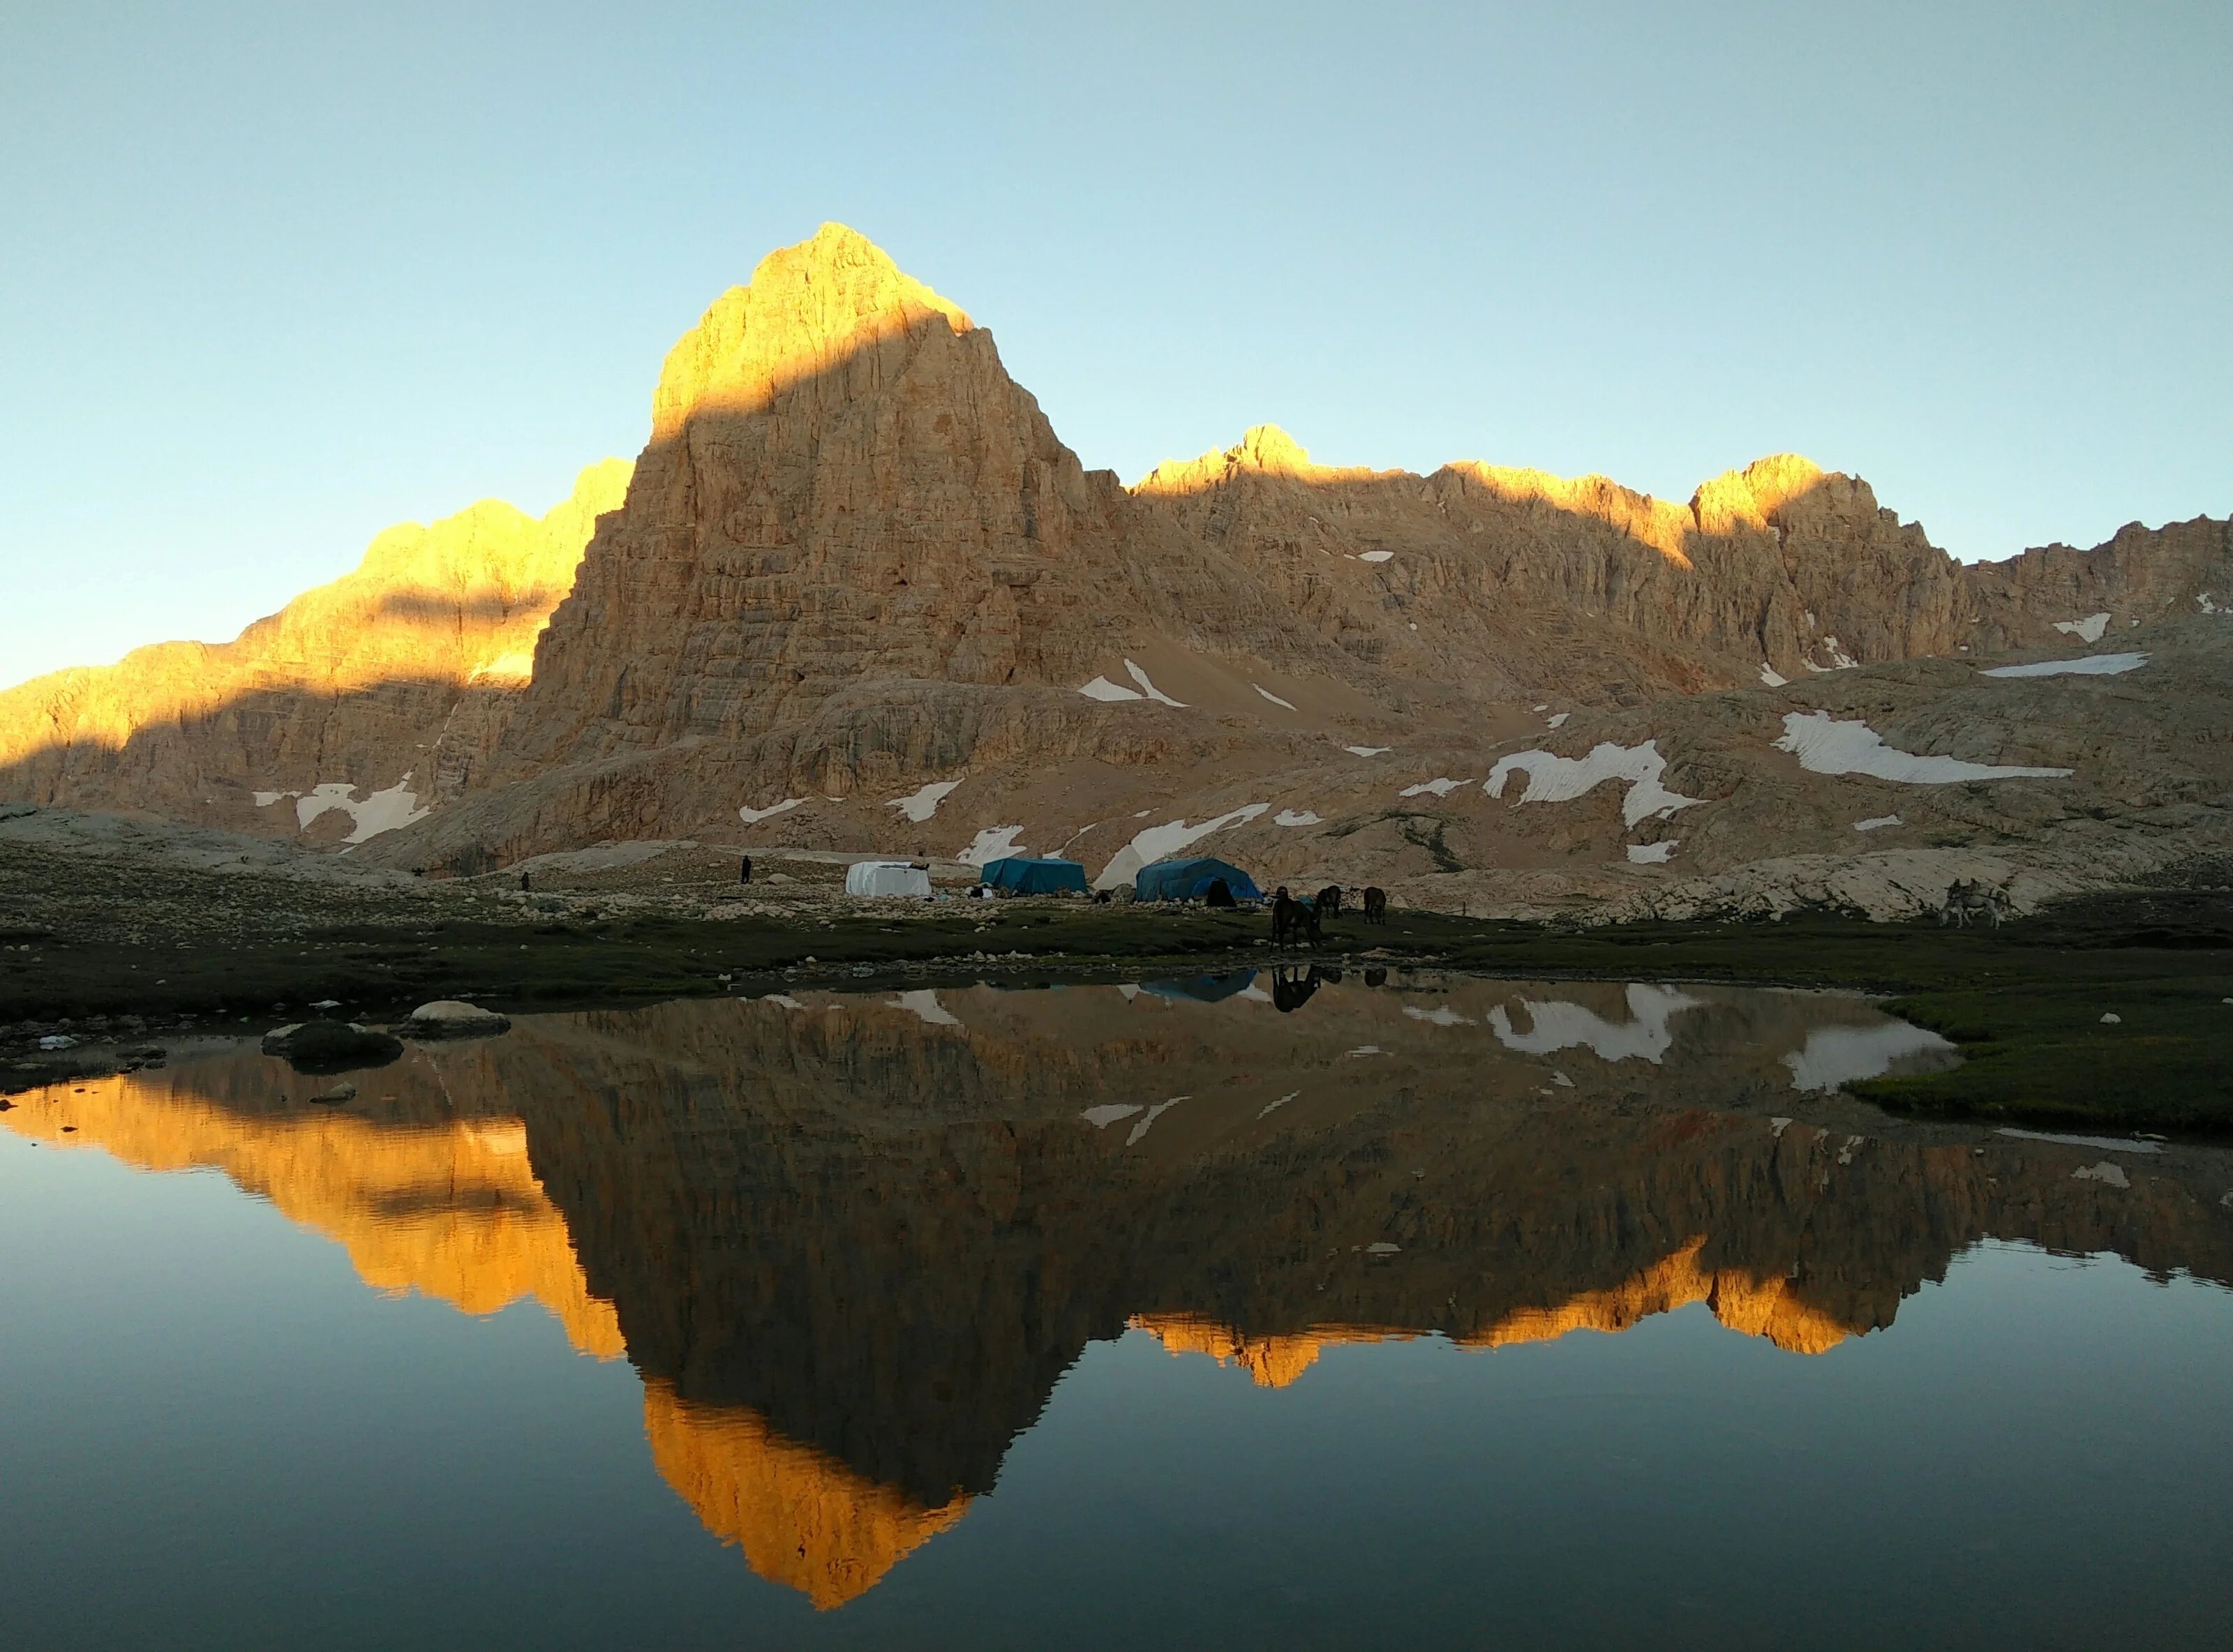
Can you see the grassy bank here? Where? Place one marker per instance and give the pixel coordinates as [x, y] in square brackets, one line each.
[2026, 1002]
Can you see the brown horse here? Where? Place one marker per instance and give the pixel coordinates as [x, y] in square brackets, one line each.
[1376, 905]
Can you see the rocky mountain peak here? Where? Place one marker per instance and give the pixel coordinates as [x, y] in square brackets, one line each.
[1751, 498]
[806, 310]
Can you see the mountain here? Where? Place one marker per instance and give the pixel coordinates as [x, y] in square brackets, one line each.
[385, 682]
[859, 595]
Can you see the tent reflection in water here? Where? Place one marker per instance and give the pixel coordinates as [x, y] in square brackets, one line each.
[888, 877]
[1029, 874]
[1190, 879]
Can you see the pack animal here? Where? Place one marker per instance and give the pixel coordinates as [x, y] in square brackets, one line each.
[1376, 905]
[1292, 920]
[1973, 897]
[1329, 902]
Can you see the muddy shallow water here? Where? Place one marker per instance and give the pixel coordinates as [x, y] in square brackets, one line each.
[1237, 1310]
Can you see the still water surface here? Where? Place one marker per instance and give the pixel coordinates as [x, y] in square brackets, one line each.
[1237, 1312]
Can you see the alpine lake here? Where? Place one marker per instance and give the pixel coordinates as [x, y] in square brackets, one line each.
[1290, 1308]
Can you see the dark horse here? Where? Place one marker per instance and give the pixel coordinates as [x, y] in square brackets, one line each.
[1329, 902]
[1292, 920]
[1375, 905]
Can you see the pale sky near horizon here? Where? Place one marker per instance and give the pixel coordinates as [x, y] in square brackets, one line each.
[276, 277]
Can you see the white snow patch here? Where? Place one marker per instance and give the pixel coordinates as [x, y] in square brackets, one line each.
[1273, 698]
[1835, 1057]
[1273, 1107]
[2113, 1174]
[1442, 1016]
[1108, 1113]
[1560, 1025]
[2088, 630]
[1776, 1127]
[1130, 989]
[1150, 689]
[1366, 1049]
[1878, 822]
[1153, 1114]
[924, 1002]
[1823, 744]
[1295, 817]
[1382, 1247]
[781, 1000]
[1441, 788]
[2207, 606]
[1160, 842]
[1368, 751]
[2093, 665]
[381, 811]
[1102, 688]
[265, 799]
[993, 844]
[1773, 678]
[753, 817]
[1560, 720]
[1554, 779]
[1375, 555]
[1652, 854]
[2106, 1143]
[920, 806]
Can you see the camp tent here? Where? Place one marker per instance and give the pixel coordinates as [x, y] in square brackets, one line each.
[1188, 879]
[887, 877]
[1025, 874]
[1206, 989]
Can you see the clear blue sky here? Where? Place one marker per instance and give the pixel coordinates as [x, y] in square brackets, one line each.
[275, 276]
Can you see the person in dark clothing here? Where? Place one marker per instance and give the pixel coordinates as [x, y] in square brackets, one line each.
[523, 880]
[744, 870]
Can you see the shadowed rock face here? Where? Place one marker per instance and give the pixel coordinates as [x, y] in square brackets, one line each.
[855, 558]
[851, 1249]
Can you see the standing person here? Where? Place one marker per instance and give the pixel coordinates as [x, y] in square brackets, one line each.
[744, 871]
[522, 878]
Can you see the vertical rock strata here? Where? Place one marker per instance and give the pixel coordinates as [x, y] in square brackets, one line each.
[854, 558]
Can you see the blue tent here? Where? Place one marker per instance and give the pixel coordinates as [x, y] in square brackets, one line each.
[1023, 875]
[1206, 989]
[1188, 879]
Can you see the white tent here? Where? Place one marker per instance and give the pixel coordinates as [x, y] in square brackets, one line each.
[887, 877]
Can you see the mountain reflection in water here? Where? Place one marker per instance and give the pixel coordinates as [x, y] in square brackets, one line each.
[850, 1243]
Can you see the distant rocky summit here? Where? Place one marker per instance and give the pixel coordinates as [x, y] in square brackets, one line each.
[856, 594]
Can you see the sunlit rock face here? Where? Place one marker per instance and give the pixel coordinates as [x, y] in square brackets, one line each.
[855, 561]
[388, 683]
[443, 1205]
[802, 1518]
[851, 1250]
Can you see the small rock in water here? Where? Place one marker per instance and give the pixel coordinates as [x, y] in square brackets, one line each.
[338, 1093]
[1382, 1247]
[2109, 1018]
[331, 1046]
[449, 1019]
[58, 1041]
[327, 1004]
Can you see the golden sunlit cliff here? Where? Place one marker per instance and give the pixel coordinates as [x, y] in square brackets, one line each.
[855, 559]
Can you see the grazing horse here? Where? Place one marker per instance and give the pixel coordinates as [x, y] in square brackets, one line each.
[1972, 896]
[1329, 902]
[1376, 905]
[1292, 920]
